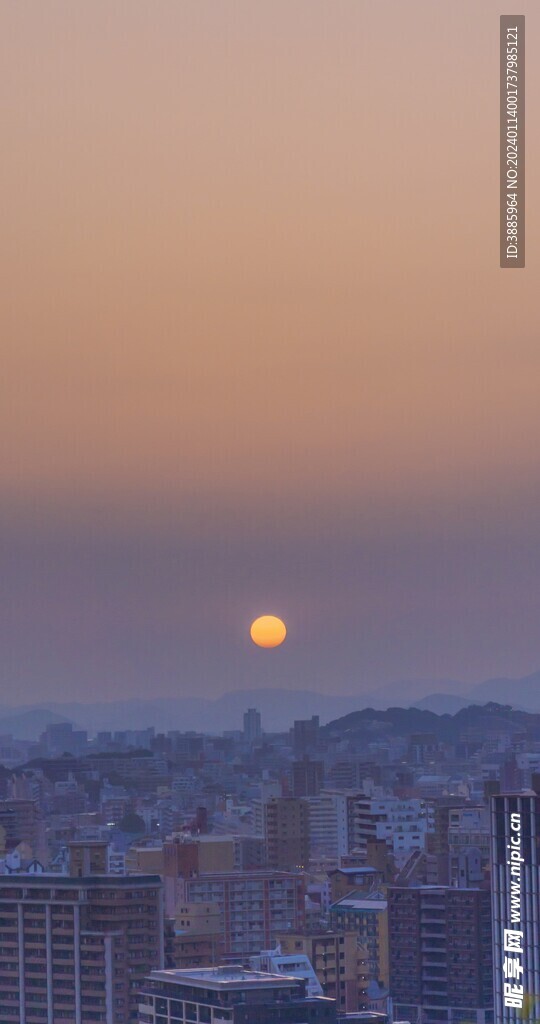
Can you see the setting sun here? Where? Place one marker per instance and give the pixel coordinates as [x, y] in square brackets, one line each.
[268, 631]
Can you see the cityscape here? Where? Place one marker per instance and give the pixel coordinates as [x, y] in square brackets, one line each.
[340, 871]
[269, 512]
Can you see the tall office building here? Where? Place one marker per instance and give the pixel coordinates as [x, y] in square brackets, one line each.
[515, 893]
[307, 777]
[323, 826]
[61, 738]
[252, 725]
[77, 948]
[440, 954]
[286, 831]
[305, 735]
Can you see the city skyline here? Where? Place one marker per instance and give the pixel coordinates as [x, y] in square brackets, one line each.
[269, 492]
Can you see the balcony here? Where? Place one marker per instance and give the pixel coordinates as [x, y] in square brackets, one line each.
[437, 996]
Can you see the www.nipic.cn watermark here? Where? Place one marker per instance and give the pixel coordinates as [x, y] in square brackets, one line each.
[512, 937]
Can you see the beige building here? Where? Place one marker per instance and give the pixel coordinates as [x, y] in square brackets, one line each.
[185, 858]
[145, 860]
[199, 918]
[195, 937]
[367, 915]
[254, 905]
[338, 962]
[88, 858]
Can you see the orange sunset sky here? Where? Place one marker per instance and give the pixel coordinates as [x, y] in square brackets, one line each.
[257, 351]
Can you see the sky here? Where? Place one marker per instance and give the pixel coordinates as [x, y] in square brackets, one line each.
[258, 355]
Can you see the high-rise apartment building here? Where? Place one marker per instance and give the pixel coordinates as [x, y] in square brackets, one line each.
[403, 824]
[305, 735]
[323, 826]
[206, 855]
[195, 937]
[307, 777]
[367, 915]
[75, 949]
[252, 725]
[468, 845]
[61, 738]
[338, 962]
[332, 815]
[286, 831]
[440, 954]
[437, 841]
[254, 906]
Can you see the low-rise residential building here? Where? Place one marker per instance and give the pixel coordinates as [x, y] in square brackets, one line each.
[230, 995]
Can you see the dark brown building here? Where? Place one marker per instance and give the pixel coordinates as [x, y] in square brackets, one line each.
[440, 954]
[22, 821]
[353, 879]
[307, 777]
[231, 994]
[286, 830]
[437, 844]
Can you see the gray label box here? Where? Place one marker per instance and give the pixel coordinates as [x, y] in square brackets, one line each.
[512, 141]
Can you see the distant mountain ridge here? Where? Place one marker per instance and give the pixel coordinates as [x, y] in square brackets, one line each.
[443, 703]
[488, 718]
[525, 691]
[278, 707]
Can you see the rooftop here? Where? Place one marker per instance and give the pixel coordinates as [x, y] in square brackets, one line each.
[226, 977]
[366, 870]
[55, 880]
[374, 902]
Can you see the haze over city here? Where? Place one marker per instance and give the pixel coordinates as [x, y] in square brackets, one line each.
[269, 493]
[258, 354]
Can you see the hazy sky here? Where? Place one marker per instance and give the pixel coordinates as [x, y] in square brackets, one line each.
[257, 352]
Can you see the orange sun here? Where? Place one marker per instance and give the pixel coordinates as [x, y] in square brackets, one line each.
[268, 631]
